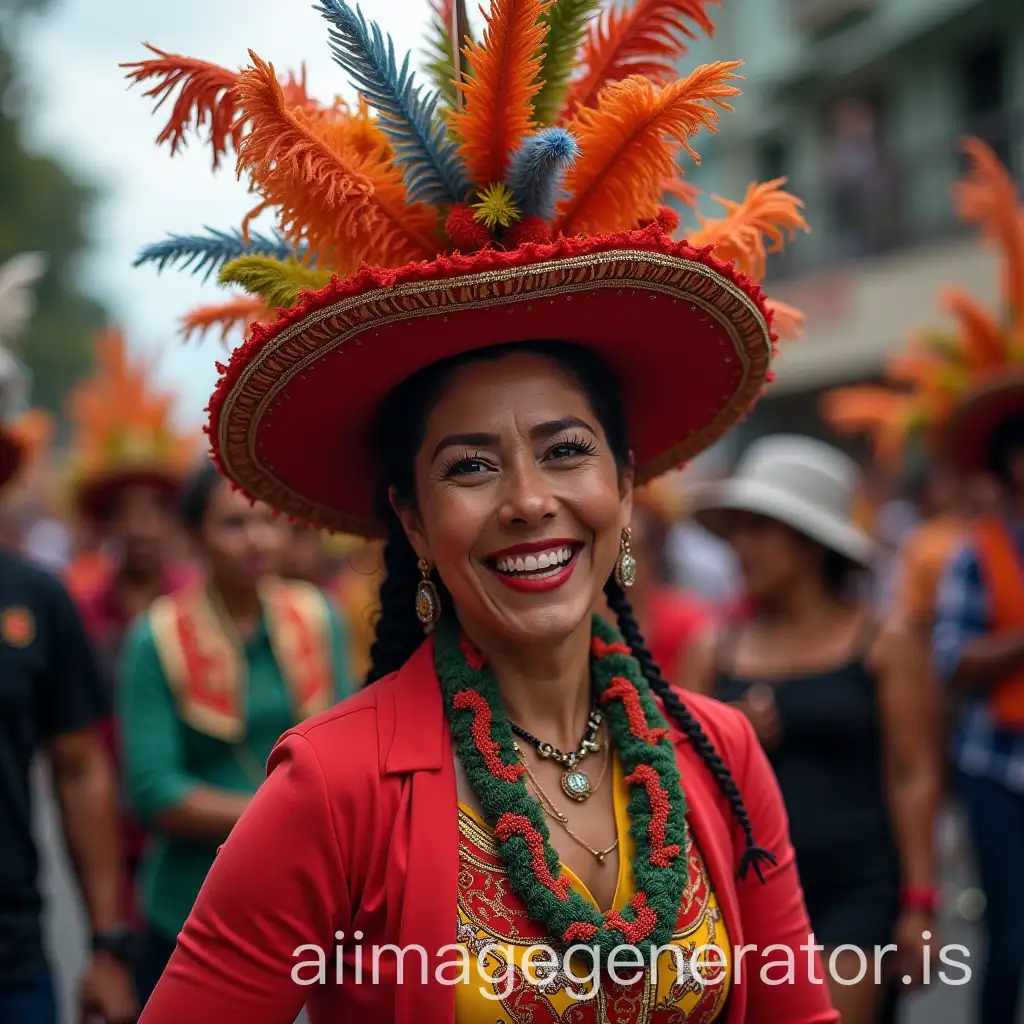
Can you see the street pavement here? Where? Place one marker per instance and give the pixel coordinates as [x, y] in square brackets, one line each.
[938, 1004]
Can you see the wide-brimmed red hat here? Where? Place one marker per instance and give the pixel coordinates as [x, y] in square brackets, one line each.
[532, 210]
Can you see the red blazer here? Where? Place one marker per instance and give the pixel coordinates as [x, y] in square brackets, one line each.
[355, 830]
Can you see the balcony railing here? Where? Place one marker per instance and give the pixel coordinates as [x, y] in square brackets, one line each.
[906, 201]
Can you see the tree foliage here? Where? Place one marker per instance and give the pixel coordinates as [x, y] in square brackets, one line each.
[43, 207]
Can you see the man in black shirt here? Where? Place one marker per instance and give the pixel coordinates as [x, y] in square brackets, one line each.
[51, 697]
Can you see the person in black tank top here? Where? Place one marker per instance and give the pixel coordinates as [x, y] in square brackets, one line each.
[845, 720]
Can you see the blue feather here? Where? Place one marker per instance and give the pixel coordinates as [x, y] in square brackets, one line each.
[537, 168]
[430, 163]
[207, 253]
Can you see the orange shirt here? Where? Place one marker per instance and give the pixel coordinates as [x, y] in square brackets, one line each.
[923, 559]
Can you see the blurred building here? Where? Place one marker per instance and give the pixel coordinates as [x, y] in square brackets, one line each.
[860, 103]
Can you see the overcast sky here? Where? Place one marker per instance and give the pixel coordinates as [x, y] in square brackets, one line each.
[85, 113]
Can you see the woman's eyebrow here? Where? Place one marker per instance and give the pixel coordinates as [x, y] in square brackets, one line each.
[465, 441]
[552, 427]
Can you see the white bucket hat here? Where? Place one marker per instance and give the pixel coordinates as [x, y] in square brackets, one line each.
[806, 484]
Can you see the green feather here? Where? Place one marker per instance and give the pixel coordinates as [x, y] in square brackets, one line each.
[567, 22]
[277, 283]
[441, 59]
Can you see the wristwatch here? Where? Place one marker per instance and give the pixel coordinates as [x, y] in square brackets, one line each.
[119, 942]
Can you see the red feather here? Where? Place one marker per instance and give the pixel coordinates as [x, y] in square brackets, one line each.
[645, 37]
[208, 93]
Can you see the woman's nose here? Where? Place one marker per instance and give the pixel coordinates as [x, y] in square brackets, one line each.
[529, 496]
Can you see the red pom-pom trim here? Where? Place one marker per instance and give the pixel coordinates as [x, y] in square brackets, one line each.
[531, 229]
[467, 234]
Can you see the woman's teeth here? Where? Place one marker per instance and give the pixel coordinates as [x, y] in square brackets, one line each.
[538, 564]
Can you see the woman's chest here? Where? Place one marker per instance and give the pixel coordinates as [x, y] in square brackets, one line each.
[515, 973]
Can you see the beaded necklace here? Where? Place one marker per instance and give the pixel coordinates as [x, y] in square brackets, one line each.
[657, 806]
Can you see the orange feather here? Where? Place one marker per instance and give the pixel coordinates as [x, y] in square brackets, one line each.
[982, 340]
[787, 321]
[347, 208]
[645, 37]
[627, 149]
[680, 189]
[879, 413]
[499, 94]
[765, 215]
[207, 94]
[988, 196]
[236, 314]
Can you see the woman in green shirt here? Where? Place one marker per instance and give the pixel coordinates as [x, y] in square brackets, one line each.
[211, 678]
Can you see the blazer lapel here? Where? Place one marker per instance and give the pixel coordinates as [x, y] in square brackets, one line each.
[420, 747]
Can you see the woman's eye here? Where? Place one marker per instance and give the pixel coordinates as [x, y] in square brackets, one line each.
[569, 450]
[466, 467]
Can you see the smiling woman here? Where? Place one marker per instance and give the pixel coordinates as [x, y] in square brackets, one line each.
[512, 340]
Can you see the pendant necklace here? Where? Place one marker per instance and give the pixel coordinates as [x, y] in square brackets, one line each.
[576, 782]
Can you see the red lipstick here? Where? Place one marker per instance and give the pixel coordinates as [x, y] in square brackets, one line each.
[536, 584]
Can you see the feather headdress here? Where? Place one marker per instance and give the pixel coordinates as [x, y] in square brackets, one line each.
[928, 380]
[510, 150]
[122, 428]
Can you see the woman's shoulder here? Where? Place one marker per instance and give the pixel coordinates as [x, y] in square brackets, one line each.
[727, 728]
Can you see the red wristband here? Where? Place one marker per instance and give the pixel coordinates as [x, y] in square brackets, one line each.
[921, 898]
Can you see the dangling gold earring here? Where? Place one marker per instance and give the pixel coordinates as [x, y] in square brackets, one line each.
[625, 565]
[428, 601]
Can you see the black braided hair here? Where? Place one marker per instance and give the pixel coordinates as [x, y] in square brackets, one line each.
[398, 631]
[680, 714]
[400, 428]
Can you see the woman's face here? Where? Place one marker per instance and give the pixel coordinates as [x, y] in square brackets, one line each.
[771, 556]
[520, 502]
[241, 542]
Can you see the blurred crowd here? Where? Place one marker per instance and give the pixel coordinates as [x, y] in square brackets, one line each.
[159, 632]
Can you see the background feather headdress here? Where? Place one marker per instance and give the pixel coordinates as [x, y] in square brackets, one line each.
[559, 120]
[926, 380]
[122, 423]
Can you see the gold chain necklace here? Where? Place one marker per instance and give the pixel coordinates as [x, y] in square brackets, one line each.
[553, 812]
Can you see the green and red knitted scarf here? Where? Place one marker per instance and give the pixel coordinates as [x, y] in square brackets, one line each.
[657, 806]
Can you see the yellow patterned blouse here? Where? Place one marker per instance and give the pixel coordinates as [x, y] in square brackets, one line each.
[685, 987]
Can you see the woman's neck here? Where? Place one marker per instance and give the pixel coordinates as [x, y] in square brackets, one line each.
[804, 602]
[545, 688]
[241, 604]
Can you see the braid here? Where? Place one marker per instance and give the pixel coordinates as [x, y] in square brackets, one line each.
[398, 632]
[681, 715]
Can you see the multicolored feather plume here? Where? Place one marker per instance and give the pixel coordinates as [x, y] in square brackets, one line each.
[430, 163]
[499, 96]
[395, 178]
